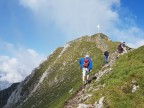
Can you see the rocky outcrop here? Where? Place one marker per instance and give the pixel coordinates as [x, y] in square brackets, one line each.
[5, 94]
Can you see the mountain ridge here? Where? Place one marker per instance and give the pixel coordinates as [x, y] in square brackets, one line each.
[48, 73]
[58, 78]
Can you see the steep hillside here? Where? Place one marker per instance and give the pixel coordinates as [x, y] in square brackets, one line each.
[124, 87]
[120, 86]
[59, 77]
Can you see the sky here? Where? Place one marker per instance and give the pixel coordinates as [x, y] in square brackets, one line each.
[30, 30]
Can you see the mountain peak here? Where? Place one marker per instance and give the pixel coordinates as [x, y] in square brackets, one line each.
[58, 78]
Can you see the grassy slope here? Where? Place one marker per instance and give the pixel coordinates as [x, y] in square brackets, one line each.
[118, 90]
[53, 94]
[38, 73]
[64, 74]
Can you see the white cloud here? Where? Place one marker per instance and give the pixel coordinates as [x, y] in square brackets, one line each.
[23, 61]
[136, 44]
[80, 17]
[74, 17]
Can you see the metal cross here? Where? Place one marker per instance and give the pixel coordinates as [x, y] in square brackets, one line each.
[98, 27]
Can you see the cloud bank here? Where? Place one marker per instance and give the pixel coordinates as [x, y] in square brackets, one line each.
[80, 17]
[74, 17]
[23, 61]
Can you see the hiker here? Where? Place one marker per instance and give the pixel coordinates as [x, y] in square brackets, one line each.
[86, 66]
[124, 47]
[106, 55]
[121, 49]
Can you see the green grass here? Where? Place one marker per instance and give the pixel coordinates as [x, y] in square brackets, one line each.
[118, 89]
[41, 70]
[52, 93]
[65, 75]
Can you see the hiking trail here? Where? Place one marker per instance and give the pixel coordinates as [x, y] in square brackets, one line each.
[77, 101]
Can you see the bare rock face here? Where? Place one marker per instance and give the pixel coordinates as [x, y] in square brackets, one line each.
[99, 104]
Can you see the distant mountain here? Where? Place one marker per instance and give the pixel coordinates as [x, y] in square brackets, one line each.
[4, 85]
[57, 82]
[5, 94]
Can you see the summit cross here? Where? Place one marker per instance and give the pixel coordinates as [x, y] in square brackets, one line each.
[98, 26]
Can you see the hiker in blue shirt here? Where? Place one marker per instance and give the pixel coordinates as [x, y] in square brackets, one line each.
[86, 66]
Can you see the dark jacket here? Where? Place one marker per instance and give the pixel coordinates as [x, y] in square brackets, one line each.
[106, 53]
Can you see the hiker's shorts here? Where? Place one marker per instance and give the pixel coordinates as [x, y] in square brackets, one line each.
[85, 71]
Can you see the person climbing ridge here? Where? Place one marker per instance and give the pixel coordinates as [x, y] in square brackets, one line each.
[86, 66]
[106, 55]
[123, 45]
[121, 49]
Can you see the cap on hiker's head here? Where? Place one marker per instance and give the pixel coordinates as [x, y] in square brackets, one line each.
[86, 55]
